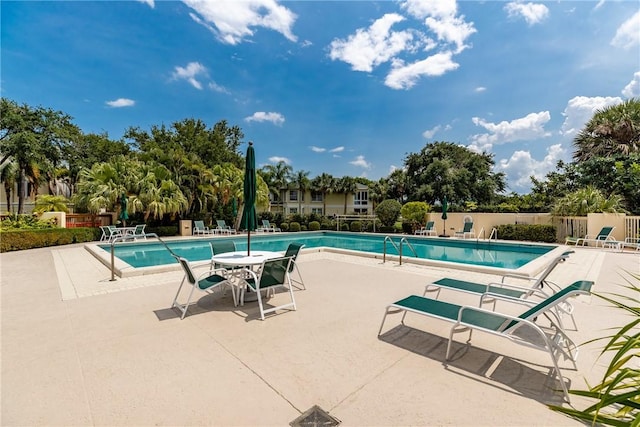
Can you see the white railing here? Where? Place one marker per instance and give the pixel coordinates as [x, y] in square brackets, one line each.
[632, 227]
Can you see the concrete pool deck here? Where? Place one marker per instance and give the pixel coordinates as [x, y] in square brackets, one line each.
[80, 350]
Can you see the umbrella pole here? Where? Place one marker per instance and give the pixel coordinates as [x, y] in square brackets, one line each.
[248, 242]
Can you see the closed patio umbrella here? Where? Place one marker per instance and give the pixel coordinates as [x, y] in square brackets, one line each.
[249, 219]
[445, 206]
[124, 213]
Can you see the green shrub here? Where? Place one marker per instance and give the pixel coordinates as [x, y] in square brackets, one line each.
[327, 224]
[344, 226]
[314, 226]
[528, 232]
[284, 226]
[388, 211]
[26, 222]
[386, 229]
[294, 226]
[356, 226]
[303, 227]
[17, 240]
[415, 213]
[407, 227]
[163, 230]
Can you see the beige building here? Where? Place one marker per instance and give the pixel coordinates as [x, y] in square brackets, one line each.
[312, 202]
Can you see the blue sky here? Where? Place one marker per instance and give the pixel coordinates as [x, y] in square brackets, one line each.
[343, 87]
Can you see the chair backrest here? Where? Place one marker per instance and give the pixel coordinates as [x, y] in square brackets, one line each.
[199, 225]
[604, 233]
[467, 227]
[581, 287]
[274, 272]
[292, 251]
[221, 223]
[430, 225]
[139, 229]
[222, 246]
[550, 268]
[265, 223]
[191, 278]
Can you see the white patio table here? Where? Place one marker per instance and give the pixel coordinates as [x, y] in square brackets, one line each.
[239, 259]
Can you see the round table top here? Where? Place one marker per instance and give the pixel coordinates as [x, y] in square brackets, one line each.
[239, 258]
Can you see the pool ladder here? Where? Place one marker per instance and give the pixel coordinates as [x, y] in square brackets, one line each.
[493, 235]
[398, 247]
[125, 238]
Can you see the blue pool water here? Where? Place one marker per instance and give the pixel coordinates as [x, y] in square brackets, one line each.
[493, 254]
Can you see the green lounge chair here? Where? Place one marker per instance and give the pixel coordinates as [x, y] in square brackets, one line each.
[467, 231]
[428, 230]
[223, 228]
[293, 250]
[603, 237]
[268, 227]
[273, 273]
[509, 290]
[552, 340]
[208, 282]
[200, 228]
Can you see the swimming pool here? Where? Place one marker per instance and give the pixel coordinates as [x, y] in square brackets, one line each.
[501, 255]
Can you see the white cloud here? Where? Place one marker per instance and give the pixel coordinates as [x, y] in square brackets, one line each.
[361, 162]
[480, 89]
[533, 13]
[151, 3]
[261, 116]
[526, 128]
[439, 9]
[632, 90]
[628, 34]
[121, 102]
[234, 21]
[277, 159]
[580, 110]
[406, 76]
[337, 150]
[521, 166]
[428, 134]
[217, 88]
[370, 47]
[189, 73]
[317, 149]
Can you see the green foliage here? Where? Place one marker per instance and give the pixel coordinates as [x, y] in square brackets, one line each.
[587, 200]
[314, 226]
[447, 169]
[528, 232]
[356, 226]
[26, 222]
[616, 398]
[294, 226]
[344, 226]
[386, 229]
[16, 240]
[415, 213]
[388, 211]
[47, 203]
[327, 224]
[284, 226]
[163, 230]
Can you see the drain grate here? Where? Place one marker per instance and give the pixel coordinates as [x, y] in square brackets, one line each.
[315, 417]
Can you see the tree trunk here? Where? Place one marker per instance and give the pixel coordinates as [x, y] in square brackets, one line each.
[21, 191]
[7, 192]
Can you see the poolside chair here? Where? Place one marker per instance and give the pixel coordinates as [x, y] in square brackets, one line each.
[273, 273]
[267, 226]
[293, 250]
[220, 247]
[467, 231]
[510, 290]
[105, 233]
[200, 228]
[603, 237]
[139, 233]
[113, 232]
[428, 230]
[223, 227]
[553, 340]
[208, 282]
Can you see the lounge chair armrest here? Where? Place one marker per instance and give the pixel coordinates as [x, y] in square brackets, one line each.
[524, 289]
[518, 276]
[506, 298]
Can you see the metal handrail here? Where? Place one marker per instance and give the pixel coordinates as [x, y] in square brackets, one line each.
[398, 248]
[482, 232]
[125, 237]
[492, 232]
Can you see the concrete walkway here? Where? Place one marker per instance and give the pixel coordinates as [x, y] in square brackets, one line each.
[80, 350]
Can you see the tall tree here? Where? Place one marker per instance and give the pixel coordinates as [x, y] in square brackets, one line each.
[280, 176]
[35, 139]
[324, 184]
[346, 185]
[612, 131]
[301, 182]
[89, 149]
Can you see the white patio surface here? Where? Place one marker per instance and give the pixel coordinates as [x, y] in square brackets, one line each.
[80, 350]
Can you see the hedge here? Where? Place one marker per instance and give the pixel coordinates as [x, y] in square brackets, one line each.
[28, 239]
[314, 226]
[528, 232]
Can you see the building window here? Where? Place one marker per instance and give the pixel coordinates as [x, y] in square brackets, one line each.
[316, 211]
[316, 196]
[293, 195]
[361, 211]
[293, 211]
[361, 198]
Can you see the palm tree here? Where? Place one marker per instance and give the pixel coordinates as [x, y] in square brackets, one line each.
[614, 130]
[302, 183]
[378, 192]
[279, 177]
[324, 184]
[50, 203]
[587, 200]
[346, 185]
[8, 173]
